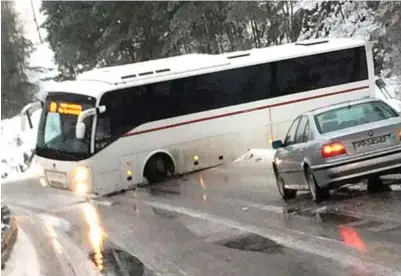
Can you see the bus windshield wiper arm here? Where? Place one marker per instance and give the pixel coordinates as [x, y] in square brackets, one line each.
[58, 152]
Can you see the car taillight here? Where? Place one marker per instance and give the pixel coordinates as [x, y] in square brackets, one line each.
[333, 149]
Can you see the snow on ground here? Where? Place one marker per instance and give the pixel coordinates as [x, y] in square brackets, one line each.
[23, 250]
[264, 155]
[15, 142]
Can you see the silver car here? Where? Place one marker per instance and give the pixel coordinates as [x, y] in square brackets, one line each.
[340, 144]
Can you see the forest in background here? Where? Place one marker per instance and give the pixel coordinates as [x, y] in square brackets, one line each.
[84, 35]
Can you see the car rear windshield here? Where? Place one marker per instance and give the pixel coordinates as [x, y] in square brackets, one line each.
[353, 115]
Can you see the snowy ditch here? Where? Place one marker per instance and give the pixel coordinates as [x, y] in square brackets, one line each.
[15, 144]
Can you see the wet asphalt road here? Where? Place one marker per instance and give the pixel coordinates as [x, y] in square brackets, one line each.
[228, 220]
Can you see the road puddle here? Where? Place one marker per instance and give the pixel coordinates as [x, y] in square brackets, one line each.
[117, 262]
[252, 242]
[164, 213]
[329, 217]
[164, 190]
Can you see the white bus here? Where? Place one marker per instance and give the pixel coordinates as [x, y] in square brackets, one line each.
[115, 127]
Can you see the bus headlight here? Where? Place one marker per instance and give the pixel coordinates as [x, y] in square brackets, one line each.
[81, 188]
[81, 179]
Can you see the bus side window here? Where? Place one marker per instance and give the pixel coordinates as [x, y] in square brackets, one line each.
[161, 104]
[321, 70]
[103, 129]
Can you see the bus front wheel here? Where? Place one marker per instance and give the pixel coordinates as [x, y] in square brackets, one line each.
[158, 168]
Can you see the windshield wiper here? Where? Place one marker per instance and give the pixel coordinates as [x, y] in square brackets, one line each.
[59, 153]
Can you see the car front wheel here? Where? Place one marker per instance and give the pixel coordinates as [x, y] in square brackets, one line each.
[285, 193]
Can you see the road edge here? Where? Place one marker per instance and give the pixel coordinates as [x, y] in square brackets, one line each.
[10, 237]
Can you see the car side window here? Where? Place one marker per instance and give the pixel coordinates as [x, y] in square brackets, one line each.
[306, 136]
[299, 137]
[290, 138]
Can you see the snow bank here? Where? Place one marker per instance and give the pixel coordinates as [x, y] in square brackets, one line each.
[14, 143]
[265, 155]
[23, 252]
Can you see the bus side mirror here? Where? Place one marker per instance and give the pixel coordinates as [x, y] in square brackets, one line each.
[26, 110]
[80, 130]
[101, 109]
[380, 83]
[80, 126]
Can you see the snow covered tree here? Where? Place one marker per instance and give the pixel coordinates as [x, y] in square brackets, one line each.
[388, 34]
[84, 35]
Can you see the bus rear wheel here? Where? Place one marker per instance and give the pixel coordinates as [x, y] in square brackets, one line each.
[158, 168]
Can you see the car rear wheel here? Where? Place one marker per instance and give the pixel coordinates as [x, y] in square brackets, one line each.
[318, 194]
[285, 193]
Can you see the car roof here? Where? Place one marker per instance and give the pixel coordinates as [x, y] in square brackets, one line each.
[323, 109]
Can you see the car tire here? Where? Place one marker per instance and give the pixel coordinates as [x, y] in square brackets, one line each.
[318, 194]
[375, 185]
[286, 194]
[156, 170]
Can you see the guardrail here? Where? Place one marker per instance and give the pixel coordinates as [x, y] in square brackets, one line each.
[9, 233]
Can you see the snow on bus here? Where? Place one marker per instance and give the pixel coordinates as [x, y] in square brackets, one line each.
[115, 127]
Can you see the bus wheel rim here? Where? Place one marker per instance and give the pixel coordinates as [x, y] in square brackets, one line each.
[160, 166]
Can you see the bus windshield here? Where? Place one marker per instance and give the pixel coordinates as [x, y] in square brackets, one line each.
[56, 134]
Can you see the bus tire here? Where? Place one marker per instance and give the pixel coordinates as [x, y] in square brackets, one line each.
[158, 168]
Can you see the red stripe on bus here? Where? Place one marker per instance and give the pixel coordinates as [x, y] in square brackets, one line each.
[243, 111]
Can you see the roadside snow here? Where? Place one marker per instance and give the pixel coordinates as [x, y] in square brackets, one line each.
[396, 187]
[15, 142]
[23, 251]
[265, 155]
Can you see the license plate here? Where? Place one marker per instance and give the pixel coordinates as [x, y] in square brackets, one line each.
[380, 140]
[57, 179]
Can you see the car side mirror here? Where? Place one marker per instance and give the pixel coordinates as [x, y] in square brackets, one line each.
[277, 144]
[80, 130]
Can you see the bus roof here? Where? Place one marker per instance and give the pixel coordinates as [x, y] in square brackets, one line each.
[105, 79]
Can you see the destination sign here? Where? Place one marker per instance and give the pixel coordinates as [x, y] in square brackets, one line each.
[65, 108]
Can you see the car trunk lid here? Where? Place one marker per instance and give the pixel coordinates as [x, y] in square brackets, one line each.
[369, 137]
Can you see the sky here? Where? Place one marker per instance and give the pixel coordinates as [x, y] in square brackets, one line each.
[25, 13]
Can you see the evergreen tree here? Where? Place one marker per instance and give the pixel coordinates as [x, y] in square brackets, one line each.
[388, 34]
[87, 34]
[15, 49]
